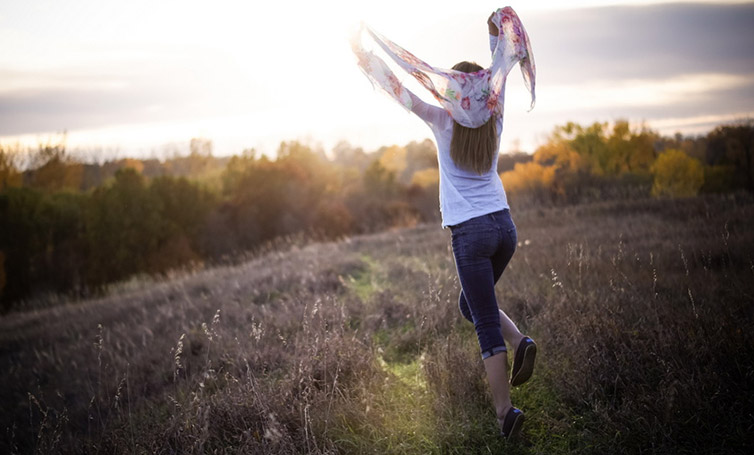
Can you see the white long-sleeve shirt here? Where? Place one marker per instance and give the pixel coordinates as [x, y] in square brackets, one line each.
[463, 194]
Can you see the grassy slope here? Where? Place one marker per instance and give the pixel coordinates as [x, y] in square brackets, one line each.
[642, 311]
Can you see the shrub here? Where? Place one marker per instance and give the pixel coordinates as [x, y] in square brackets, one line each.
[677, 175]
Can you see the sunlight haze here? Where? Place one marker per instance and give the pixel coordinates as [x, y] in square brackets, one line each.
[134, 78]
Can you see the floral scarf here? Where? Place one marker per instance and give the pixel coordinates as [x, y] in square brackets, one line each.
[470, 98]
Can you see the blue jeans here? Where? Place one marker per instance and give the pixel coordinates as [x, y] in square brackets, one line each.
[482, 248]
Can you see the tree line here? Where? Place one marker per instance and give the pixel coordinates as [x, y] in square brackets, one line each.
[603, 160]
[72, 227]
[59, 235]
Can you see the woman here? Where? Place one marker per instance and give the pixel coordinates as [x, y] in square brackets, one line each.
[472, 199]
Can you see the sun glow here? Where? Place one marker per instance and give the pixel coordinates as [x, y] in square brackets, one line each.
[246, 74]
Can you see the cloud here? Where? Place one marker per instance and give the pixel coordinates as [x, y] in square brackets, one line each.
[664, 40]
[161, 84]
[29, 111]
[674, 60]
[702, 88]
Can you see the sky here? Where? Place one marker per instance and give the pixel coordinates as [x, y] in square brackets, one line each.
[141, 78]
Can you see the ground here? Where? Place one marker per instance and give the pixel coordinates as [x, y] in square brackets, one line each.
[642, 311]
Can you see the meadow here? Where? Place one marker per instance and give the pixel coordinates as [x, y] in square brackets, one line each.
[643, 311]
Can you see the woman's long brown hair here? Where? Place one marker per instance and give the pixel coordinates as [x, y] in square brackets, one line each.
[473, 148]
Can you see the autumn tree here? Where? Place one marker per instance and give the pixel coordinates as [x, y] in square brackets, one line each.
[506, 161]
[53, 169]
[346, 155]
[393, 160]
[560, 155]
[269, 198]
[676, 174]
[9, 173]
[586, 161]
[420, 156]
[199, 162]
[529, 177]
[426, 178]
[630, 151]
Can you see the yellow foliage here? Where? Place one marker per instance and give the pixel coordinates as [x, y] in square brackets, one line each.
[599, 150]
[426, 178]
[57, 174]
[676, 175]
[9, 174]
[528, 176]
[394, 159]
[131, 163]
[561, 155]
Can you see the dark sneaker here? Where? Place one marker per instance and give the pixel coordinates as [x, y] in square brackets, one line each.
[512, 423]
[523, 362]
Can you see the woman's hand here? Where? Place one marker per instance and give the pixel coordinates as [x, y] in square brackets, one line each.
[493, 28]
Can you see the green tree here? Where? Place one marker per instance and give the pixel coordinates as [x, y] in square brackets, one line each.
[184, 207]
[123, 226]
[21, 241]
[235, 170]
[733, 145]
[41, 238]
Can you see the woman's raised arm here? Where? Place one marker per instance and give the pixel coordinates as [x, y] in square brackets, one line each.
[427, 112]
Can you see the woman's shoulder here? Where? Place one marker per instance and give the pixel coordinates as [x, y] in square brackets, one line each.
[443, 122]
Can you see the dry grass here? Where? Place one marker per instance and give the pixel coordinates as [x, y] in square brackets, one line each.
[642, 311]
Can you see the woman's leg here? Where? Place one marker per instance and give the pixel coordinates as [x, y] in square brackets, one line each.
[473, 250]
[482, 306]
[523, 361]
[510, 332]
[500, 261]
[496, 367]
[475, 274]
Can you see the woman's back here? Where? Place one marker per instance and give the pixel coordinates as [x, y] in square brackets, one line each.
[464, 194]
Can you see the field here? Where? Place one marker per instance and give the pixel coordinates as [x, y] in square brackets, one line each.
[643, 311]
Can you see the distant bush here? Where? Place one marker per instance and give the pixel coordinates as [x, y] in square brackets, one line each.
[719, 179]
[677, 175]
[733, 145]
[529, 177]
